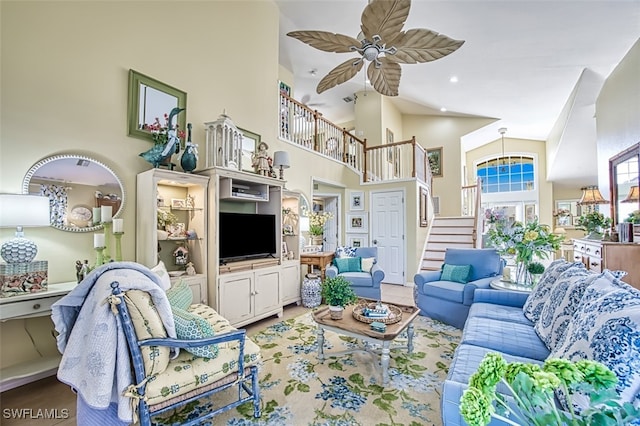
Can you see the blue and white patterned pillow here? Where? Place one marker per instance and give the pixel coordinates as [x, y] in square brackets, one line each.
[606, 328]
[563, 301]
[533, 306]
[190, 326]
[346, 251]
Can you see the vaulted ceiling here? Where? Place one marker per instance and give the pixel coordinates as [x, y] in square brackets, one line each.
[528, 64]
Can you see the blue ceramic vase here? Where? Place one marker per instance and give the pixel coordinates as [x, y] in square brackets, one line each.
[189, 159]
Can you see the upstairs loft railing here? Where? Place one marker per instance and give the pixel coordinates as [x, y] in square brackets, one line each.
[307, 128]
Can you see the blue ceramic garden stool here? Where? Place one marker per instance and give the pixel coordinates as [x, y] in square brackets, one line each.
[311, 291]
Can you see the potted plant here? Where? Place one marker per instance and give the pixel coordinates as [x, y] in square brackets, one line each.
[535, 269]
[593, 223]
[337, 293]
[164, 219]
[534, 392]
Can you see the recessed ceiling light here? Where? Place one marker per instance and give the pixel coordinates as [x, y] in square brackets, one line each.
[443, 109]
[453, 79]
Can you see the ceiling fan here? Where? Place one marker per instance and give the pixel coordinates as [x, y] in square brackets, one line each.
[381, 42]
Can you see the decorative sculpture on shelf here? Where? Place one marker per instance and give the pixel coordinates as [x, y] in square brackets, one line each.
[261, 160]
[189, 159]
[167, 142]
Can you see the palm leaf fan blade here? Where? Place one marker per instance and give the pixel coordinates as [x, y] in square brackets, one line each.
[422, 45]
[384, 18]
[385, 78]
[343, 72]
[326, 41]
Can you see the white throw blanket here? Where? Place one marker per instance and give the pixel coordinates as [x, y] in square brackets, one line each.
[95, 356]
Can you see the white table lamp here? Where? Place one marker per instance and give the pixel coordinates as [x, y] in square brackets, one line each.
[281, 161]
[19, 211]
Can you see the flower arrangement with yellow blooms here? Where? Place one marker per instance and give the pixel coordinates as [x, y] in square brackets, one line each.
[524, 241]
[317, 221]
[533, 388]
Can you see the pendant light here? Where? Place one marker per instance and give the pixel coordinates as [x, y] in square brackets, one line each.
[502, 131]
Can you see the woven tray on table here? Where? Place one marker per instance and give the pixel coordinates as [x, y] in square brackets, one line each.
[395, 314]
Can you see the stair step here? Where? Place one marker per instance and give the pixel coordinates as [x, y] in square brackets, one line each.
[454, 221]
[454, 238]
[448, 244]
[451, 230]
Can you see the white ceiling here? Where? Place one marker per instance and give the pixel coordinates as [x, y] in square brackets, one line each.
[520, 62]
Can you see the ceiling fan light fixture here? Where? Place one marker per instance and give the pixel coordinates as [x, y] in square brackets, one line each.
[381, 25]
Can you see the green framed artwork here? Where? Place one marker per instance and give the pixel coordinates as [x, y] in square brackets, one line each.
[150, 99]
[434, 155]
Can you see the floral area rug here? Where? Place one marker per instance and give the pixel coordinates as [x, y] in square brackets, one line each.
[297, 389]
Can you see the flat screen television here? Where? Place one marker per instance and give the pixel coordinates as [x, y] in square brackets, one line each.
[246, 236]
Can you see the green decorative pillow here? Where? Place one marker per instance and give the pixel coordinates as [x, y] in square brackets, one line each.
[456, 273]
[190, 327]
[347, 264]
[180, 295]
[367, 263]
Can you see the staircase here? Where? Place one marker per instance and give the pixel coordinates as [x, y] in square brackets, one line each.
[447, 232]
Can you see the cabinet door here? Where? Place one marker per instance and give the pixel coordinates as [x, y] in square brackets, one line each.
[198, 285]
[290, 283]
[235, 301]
[267, 291]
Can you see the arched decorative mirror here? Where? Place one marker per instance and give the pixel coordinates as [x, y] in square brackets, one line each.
[75, 185]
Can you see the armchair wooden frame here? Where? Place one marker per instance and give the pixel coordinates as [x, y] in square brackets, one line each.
[244, 378]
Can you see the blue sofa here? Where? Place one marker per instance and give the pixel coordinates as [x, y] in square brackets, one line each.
[572, 314]
[365, 283]
[449, 301]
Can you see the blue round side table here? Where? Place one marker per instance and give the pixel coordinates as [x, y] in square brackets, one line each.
[311, 291]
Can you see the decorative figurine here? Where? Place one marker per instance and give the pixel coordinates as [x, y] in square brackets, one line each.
[190, 201]
[191, 270]
[79, 276]
[261, 160]
[181, 255]
[161, 152]
[189, 158]
[85, 269]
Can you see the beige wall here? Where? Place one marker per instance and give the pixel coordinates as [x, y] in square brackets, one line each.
[618, 114]
[445, 132]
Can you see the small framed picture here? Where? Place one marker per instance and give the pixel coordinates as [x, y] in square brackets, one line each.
[250, 142]
[285, 249]
[356, 200]
[357, 223]
[424, 199]
[434, 157]
[178, 203]
[356, 240]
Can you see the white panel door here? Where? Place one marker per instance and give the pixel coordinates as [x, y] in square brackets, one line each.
[331, 227]
[387, 233]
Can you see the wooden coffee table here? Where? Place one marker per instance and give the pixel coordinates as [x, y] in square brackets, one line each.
[349, 326]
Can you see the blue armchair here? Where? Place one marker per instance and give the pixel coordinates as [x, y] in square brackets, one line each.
[365, 283]
[448, 300]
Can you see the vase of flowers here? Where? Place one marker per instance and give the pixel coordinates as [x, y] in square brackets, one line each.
[524, 242]
[593, 223]
[317, 220]
[534, 391]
